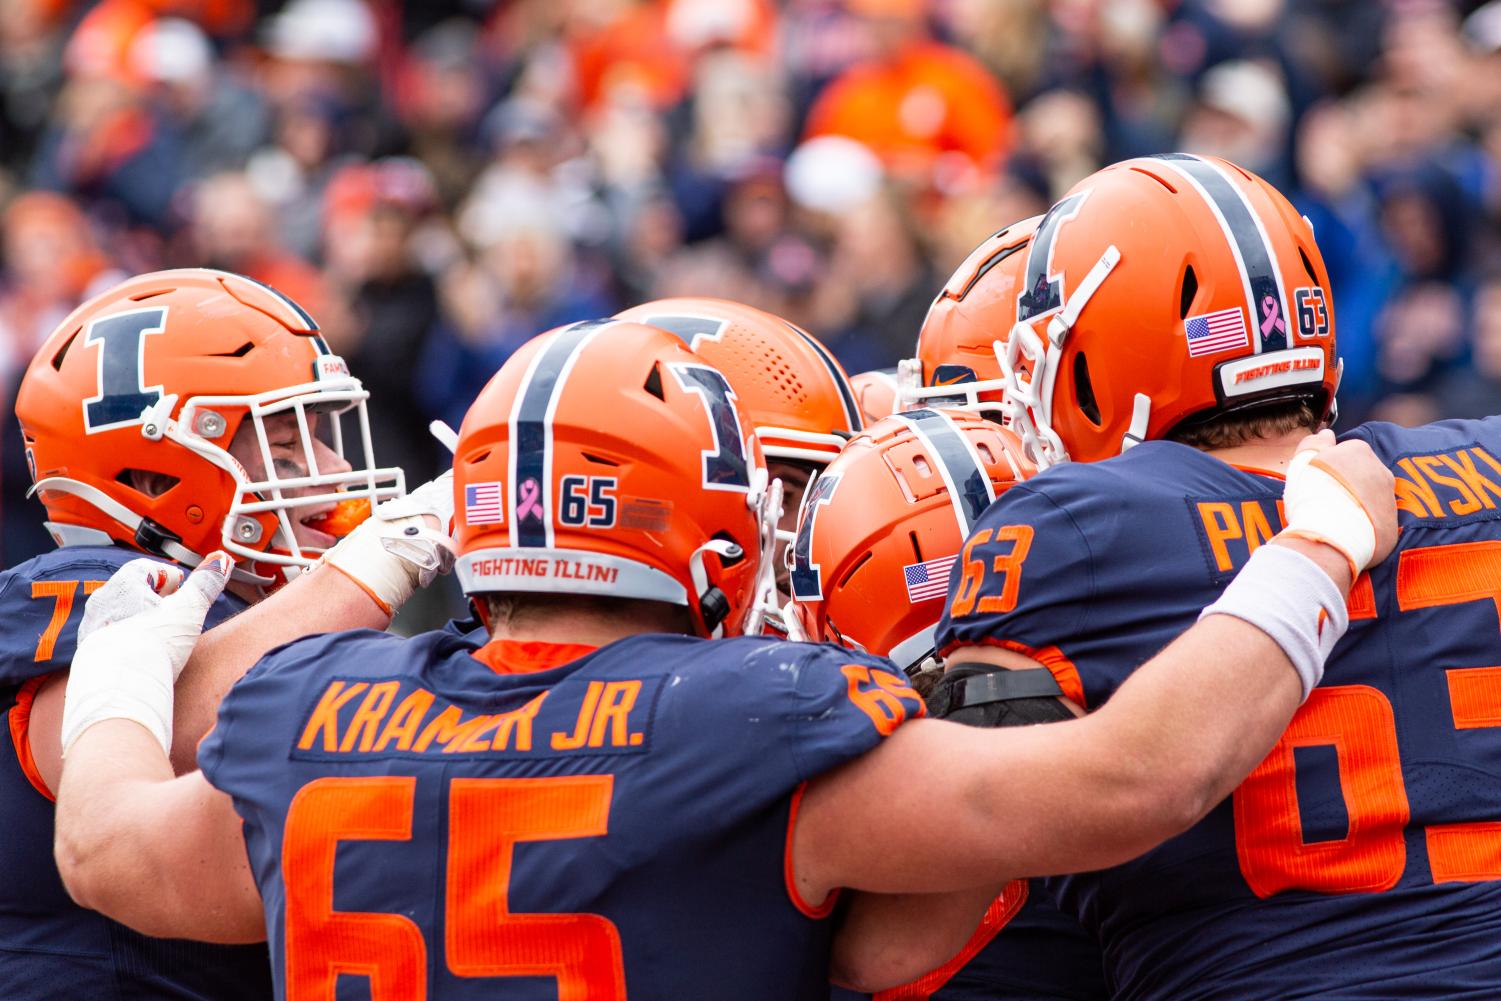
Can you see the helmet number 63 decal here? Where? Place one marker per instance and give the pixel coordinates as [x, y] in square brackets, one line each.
[122, 351]
[1313, 311]
[725, 465]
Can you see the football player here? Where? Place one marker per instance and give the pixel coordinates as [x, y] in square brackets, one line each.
[604, 803]
[875, 549]
[1176, 309]
[793, 391]
[178, 413]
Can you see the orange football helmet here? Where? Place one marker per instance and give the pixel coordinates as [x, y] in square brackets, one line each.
[796, 395]
[876, 392]
[156, 376]
[959, 348]
[1162, 291]
[881, 528]
[607, 458]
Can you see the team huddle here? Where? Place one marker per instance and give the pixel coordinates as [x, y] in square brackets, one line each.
[1071, 660]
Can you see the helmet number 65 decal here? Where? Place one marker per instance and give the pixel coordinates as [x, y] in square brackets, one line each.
[587, 500]
[122, 351]
[725, 465]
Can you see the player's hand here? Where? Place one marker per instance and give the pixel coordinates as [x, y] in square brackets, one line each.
[402, 546]
[136, 587]
[1342, 495]
[136, 645]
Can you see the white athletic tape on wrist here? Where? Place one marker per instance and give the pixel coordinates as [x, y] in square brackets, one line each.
[111, 680]
[1319, 506]
[1290, 598]
[126, 669]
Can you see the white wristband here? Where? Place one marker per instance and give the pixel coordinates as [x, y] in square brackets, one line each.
[1290, 598]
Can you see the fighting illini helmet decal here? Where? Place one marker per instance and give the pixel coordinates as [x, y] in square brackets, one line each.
[881, 528]
[607, 458]
[1159, 291]
[792, 389]
[156, 376]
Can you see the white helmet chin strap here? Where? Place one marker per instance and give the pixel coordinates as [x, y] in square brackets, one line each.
[765, 499]
[1028, 404]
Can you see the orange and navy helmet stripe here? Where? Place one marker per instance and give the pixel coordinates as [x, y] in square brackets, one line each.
[530, 495]
[969, 486]
[1261, 279]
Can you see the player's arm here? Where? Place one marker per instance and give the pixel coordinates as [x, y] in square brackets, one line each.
[359, 585]
[889, 939]
[163, 855]
[1094, 792]
[319, 601]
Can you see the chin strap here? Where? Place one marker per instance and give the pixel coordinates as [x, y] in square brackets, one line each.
[713, 606]
[149, 536]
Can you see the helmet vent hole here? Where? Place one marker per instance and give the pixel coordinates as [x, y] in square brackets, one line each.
[1084, 390]
[1158, 178]
[921, 462]
[916, 546]
[599, 459]
[985, 452]
[152, 294]
[62, 352]
[653, 384]
[1190, 289]
[479, 458]
[1308, 266]
[855, 569]
[239, 352]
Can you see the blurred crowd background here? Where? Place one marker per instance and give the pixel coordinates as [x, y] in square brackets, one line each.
[437, 181]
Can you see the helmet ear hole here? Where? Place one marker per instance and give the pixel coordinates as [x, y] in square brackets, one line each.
[1190, 289]
[1084, 390]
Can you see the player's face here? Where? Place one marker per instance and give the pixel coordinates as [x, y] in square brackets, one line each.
[794, 477]
[290, 460]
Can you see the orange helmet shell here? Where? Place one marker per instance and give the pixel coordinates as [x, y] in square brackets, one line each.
[1161, 290]
[795, 393]
[167, 341]
[876, 392]
[881, 527]
[607, 458]
[976, 310]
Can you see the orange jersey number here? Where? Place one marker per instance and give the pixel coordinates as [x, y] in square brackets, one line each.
[1008, 566]
[1358, 721]
[61, 593]
[484, 938]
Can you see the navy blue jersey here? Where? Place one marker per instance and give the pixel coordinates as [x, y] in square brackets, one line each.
[1362, 858]
[50, 948]
[1025, 949]
[541, 821]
